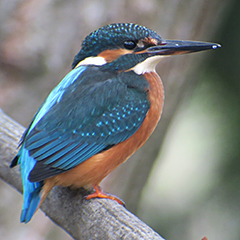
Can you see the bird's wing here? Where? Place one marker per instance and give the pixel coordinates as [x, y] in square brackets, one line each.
[88, 112]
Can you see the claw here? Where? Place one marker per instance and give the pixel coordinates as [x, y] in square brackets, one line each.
[99, 193]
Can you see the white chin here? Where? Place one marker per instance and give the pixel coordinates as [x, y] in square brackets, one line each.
[147, 65]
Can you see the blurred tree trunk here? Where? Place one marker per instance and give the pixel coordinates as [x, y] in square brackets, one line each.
[38, 40]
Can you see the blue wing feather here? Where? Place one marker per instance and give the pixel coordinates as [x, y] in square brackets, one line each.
[95, 111]
[77, 158]
[52, 147]
[57, 155]
[68, 154]
[56, 94]
[31, 191]
[89, 111]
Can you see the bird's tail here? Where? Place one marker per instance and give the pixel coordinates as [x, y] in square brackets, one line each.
[30, 201]
[31, 190]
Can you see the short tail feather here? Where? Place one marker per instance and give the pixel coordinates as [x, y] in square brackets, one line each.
[30, 205]
[31, 190]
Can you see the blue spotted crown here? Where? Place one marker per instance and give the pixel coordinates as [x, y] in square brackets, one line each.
[111, 36]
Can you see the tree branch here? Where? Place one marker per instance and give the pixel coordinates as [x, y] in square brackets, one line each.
[82, 219]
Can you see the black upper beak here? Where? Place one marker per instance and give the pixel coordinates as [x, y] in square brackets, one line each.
[175, 47]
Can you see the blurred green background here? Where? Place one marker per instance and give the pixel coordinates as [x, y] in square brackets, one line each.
[193, 188]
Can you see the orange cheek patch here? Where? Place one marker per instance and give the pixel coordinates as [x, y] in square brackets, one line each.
[150, 41]
[111, 55]
[153, 41]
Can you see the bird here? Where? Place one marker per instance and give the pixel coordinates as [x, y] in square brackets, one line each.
[101, 112]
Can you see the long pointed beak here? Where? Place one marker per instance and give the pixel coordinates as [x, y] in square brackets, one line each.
[176, 47]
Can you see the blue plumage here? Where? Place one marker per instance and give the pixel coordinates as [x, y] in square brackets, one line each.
[93, 114]
[89, 111]
[31, 190]
[56, 94]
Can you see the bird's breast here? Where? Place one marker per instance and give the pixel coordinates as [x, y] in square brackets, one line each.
[156, 98]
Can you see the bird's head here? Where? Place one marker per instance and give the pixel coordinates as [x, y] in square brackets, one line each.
[127, 46]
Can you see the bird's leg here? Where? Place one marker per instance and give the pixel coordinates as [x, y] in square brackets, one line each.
[99, 193]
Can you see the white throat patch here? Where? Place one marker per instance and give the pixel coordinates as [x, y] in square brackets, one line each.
[147, 65]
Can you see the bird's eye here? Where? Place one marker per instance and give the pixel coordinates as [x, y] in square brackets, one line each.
[130, 44]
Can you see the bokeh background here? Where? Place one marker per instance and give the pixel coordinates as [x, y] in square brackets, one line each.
[184, 182]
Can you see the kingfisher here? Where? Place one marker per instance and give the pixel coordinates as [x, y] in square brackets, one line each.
[102, 112]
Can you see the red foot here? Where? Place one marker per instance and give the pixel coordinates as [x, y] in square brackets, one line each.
[99, 193]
